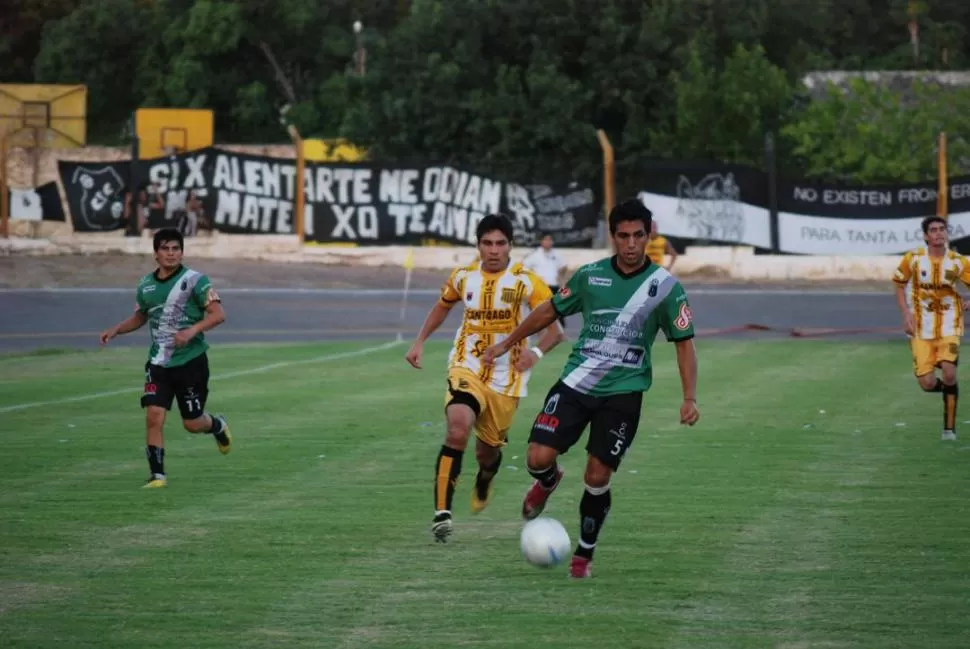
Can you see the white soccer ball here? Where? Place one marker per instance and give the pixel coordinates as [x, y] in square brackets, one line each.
[545, 542]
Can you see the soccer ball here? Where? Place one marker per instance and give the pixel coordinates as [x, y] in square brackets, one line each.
[545, 542]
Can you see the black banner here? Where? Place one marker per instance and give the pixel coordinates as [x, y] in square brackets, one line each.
[36, 204]
[364, 204]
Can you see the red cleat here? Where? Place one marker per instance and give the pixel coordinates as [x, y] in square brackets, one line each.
[581, 568]
[536, 497]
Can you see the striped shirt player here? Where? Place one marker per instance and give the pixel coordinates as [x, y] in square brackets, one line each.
[494, 304]
[495, 296]
[626, 300]
[926, 292]
[179, 305]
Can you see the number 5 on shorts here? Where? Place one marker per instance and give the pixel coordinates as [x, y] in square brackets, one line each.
[617, 447]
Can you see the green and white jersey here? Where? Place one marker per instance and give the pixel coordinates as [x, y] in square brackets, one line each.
[171, 304]
[621, 317]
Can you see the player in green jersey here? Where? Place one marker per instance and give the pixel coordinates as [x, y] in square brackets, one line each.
[625, 301]
[179, 305]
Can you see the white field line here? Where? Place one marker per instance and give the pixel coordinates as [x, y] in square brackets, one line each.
[229, 375]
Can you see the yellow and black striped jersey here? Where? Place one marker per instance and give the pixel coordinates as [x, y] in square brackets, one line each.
[494, 305]
[931, 291]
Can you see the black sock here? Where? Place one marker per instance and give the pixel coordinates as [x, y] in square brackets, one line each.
[216, 427]
[938, 387]
[593, 509]
[546, 477]
[485, 475]
[156, 460]
[447, 470]
[951, 394]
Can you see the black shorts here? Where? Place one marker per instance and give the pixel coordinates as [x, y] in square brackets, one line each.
[188, 384]
[612, 421]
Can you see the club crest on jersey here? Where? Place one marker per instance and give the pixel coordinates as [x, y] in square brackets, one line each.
[508, 295]
[468, 296]
[565, 292]
[684, 318]
[654, 285]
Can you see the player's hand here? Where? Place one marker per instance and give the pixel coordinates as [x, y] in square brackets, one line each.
[183, 337]
[908, 325]
[414, 355]
[527, 361]
[689, 414]
[108, 334]
[493, 352]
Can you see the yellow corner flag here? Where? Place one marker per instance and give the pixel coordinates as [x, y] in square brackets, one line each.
[409, 260]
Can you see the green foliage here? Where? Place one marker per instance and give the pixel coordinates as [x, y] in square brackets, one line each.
[514, 87]
[871, 134]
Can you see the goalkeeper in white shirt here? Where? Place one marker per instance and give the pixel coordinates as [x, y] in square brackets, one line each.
[548, 265]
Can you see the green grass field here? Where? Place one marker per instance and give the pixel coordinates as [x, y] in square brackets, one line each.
[770, 524]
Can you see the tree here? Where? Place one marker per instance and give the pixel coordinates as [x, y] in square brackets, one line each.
[870, 133]
[724, 114]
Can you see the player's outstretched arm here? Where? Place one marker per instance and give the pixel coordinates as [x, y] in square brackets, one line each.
[543, 316]
[687, 364]
[435, 318]
[132, 323]
[551, 337]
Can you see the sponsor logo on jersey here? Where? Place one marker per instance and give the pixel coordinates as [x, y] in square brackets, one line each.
[614, 354]
[684, 317]
[488, 314]
[600, 281]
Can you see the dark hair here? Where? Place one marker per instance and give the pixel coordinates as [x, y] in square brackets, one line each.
[167, 234]
[494, 222]
[930, 220]
[630, 210]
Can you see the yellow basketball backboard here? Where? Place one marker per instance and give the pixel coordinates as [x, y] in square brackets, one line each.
[163, 131]
[337, 150]
[50, 115]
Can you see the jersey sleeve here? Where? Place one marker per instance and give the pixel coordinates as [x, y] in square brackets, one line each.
[905, 270]
[449, 290]
[540, 292]
[965, 270]
[140, 305]
[676, 318]
[569, 299]
[204, 293]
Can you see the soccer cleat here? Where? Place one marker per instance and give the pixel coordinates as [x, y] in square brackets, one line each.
[223, 439]
[482, 493]
[581, 568]
[442, 527]
[536, 497]
[948, 435]
[155, 482]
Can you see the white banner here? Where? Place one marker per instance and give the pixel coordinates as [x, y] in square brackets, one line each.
[721, 218]
[25, 205]
[820, 235]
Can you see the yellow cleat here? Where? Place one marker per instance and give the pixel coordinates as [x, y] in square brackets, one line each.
[155, 483]
[226, 435]
[479, 503]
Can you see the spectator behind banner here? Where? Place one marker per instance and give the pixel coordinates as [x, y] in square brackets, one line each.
[146, 203]
[548, 265]
[658, 246]
[192, 218]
